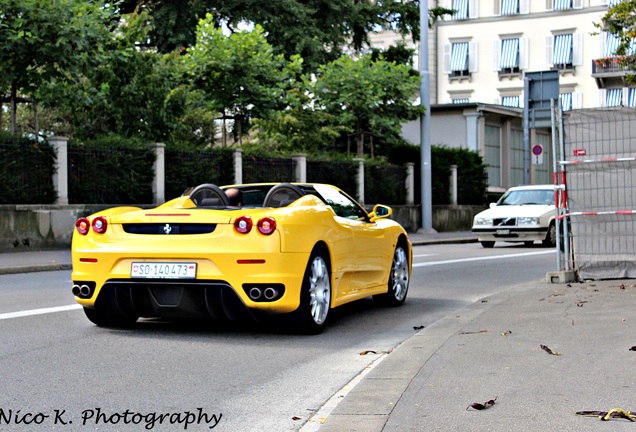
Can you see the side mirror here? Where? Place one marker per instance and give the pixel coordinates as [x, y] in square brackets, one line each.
[380, 212]
[492, 205]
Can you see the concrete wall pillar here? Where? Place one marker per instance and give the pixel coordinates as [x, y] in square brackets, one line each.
[410, 183]
[360, 196]
[60, 176]
[453, 185]
[300, 168]
[159, 167]
[238, 166]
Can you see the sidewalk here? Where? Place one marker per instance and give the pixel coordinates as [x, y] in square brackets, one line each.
[491, 350]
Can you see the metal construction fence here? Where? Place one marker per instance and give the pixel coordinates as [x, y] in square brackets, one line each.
[597, 190]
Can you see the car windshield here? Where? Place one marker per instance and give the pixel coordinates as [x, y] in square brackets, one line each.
[528, 197]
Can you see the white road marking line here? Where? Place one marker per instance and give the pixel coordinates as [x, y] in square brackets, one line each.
[432, 263]
[42, 311]
[423, 255]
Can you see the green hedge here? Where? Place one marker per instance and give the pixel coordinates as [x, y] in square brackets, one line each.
[118, 171]
[190, 167]
[110, 171]
[26, 171]
[471, 173]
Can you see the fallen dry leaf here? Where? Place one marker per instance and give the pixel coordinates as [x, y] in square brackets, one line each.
[485, 405]
[506, 333]
[633, 348]
[473, 332]
[418, 327]
[616, 413]
[549, 351]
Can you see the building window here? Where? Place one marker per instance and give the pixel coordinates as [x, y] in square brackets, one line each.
[511, 101]
[566, 101]
[564, 50]
[461, 9]
[492, 156]
[509, 7]
[510, 55]
[631, 97]
[460, 59]
[516, 157]
[464, 9]
[562, 54]
[563, 4]
[614, 97]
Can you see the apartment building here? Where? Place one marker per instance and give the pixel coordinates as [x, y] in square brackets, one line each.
[478, 58]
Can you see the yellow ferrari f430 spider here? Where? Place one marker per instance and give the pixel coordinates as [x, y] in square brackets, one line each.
[230, 252]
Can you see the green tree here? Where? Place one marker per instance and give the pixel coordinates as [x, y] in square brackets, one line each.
[41, 40]
[240, 73]
[620, 21]
[370, 98]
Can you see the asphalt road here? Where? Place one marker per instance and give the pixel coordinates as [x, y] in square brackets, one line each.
[59, 370]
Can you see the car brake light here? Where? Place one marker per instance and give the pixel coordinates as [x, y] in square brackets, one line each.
[266, 225]
[83, 225]
[243, 224]
[100, 224]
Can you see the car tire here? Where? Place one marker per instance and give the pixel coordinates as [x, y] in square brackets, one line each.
[398, 285]
[550, 238]
[108, 313]
[487, 244]
[528, 243]
[315, 295]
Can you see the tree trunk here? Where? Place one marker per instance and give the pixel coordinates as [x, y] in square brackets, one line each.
[360, 142]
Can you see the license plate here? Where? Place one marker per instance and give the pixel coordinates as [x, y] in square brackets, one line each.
[503, 231]
[163, 270]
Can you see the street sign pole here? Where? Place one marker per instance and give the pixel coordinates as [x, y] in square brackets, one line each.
[425, 127]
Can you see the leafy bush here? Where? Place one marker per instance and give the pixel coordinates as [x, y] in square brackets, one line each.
[26, 171]
[186, 167]
[110, 170]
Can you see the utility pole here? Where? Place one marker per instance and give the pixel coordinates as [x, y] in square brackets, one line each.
[425, 127]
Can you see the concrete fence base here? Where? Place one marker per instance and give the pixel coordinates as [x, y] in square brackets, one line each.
[36, 227]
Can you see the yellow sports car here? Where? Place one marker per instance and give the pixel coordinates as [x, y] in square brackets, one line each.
[239, 251]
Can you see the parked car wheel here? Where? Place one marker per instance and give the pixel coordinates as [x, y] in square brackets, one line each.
[488, 244]
[398, 279]
[315, 297]
[551, 238]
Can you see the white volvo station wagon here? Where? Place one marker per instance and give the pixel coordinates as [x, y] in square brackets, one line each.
[523, 214]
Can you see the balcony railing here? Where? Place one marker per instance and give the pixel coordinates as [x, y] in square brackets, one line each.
[613, 65]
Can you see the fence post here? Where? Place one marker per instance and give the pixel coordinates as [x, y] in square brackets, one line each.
[238, 166]
[60, 176]
[300, 167]
[360, 179]
[159, 168]
[410, 183]
[453, 184]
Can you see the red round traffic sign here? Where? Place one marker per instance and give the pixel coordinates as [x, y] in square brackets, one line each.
[537, 149]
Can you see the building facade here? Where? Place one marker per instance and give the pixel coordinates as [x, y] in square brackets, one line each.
[478, 59]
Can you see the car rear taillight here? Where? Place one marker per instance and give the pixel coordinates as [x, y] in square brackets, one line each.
[266, 225]
[83, 225]
[243, 224]
[100, 224]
